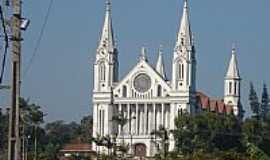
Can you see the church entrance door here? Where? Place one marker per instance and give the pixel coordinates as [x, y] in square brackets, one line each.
[140, 150]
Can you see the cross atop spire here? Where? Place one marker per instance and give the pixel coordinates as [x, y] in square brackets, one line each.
[186, 4]
[108, 5]
[107, 37]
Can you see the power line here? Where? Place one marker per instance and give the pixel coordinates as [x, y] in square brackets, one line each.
[6, 45]
[35, 51]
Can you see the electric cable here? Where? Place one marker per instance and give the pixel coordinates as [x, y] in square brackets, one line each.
[35, 51]
[6, 45]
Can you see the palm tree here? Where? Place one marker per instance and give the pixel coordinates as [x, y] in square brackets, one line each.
[162, 144]
[99, 141]
[123, 148]
[120, 120]
[31, 116]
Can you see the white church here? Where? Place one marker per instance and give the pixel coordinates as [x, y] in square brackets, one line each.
[146, 96]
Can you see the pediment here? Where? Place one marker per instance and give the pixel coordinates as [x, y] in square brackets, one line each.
[142, 81]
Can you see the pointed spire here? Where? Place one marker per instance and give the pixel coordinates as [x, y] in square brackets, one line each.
[107, 38]
[184, 37]
[143, 54]
[160, 64]
[233, 71]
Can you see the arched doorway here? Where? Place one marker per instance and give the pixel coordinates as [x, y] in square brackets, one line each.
[140, 150]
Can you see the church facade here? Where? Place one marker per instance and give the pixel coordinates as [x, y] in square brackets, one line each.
[146, 97]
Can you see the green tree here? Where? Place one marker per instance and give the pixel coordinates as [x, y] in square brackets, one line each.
[86, 128]
[264, 103]
[120, 120]
[208, 132]
[31, 118]
[254, 102]
[256, 153]
[3, 135]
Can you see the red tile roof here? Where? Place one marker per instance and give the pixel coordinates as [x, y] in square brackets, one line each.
[80, 147]
[212, 105]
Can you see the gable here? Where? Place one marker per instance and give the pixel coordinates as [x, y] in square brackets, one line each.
[142, 81]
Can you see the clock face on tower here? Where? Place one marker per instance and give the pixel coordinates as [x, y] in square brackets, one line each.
[142, 83]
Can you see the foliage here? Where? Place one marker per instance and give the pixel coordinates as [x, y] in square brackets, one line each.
[254, 102]
[3, 135]
[265, 103]
[161, 141]
[208, 135]
[257, 153]
[207, 132]
[86, 128]
[50, 138]
[120, 120]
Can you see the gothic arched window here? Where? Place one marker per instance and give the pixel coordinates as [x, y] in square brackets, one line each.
[235, 88]
[102, 71]
[124, 92]
[230, 87]
[181, 71]
[159, 91]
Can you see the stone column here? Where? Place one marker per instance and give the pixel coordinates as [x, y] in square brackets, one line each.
[145, 119]
[137, 119]
[158, 116]
[162, 115]
[166, 110]
[95, 120]
[133, 121]
[141, 120]
[129, 117]
[150, 109]
[124, 110]
[119, 112]
[172, 115]
[155, 117]
[168, 116]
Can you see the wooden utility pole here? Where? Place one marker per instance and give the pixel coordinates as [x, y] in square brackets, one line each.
[14, 145]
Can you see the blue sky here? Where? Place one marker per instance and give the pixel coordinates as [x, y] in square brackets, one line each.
[61, 76]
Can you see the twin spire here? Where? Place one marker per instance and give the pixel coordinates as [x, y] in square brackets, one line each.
[184, 36]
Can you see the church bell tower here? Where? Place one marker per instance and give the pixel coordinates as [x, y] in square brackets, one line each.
[232, 85]
[105, 76]
[184, 64]
[106, 63]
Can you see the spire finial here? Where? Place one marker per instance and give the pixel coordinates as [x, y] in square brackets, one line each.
[143, 54]
[160, 65]
[186, 3]
[160, 49]
[233, 48]
[108, 5]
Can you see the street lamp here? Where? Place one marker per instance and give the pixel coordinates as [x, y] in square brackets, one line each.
[26, 147]
[24, 23]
